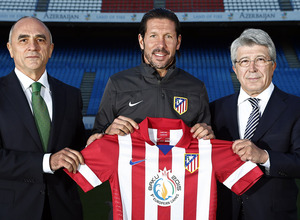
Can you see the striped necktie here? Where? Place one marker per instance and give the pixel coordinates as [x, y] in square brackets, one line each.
[41, 114]
[253, 119]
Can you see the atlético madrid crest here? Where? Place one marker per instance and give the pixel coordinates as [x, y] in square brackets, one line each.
[180, 104]
[191, 162]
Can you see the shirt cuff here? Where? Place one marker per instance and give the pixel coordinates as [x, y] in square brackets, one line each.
[46, 164]
[267, 164]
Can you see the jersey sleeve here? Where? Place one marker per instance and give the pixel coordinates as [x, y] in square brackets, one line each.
[230, 170]
[101, 159]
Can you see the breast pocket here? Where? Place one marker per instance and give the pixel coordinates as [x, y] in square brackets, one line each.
[184, 106]
[6, 196]
[132, 105]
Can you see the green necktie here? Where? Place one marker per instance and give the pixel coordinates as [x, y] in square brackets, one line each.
[41, 114]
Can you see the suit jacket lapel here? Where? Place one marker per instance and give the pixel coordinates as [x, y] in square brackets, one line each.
[232, 114]
[13, 91]
[58, 100]
[274, 109]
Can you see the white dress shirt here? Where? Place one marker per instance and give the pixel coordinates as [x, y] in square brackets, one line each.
[245, 108]
[45, 92]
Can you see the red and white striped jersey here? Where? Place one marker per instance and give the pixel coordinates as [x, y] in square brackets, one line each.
[161, 172]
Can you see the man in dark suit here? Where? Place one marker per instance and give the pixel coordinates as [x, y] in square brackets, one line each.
[275, 144]
[32, 184]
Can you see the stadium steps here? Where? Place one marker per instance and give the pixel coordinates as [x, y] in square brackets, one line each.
[285, 5]
[86, 88]
[159, 3]
[290, 55]
[42, 5]
[235, 82]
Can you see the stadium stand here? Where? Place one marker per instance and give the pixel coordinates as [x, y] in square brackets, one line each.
[251, 5]
[297, 48]
[75, 6]
[137, 6]
[296, 5]
[16, 5]
[126, 6]
[209, 62]
[195, 5]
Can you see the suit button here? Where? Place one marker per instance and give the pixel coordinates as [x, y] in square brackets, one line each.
[282, 173]
[29, 180]
[42, 192]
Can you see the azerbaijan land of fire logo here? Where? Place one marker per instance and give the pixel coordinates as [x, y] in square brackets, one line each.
[164, 188]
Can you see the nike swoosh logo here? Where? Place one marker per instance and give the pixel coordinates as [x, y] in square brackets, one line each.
[133, 104]
[136, 162]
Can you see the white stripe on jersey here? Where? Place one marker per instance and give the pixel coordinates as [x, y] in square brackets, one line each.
[175, 135]
[239, 173]
[125, 174]
[204, 179]
[152, 163]
[151, 170]
[152, 135]
[177, 208]
[89, 175]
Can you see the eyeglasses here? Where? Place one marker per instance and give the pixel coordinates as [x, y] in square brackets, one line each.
[258, 61]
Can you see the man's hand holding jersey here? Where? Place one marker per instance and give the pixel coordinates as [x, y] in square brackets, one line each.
[202, 130]
[248, 151]
[66, 158]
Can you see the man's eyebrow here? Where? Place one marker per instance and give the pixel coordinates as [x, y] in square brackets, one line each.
[21, 36]
[41, 36]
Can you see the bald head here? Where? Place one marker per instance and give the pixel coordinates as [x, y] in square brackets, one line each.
[27, 17]
[30, 45]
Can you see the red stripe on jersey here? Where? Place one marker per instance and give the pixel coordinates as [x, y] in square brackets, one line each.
[165, 161]
[213, 198]
[138, 176]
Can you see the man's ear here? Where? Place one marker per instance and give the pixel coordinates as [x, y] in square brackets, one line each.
[178, 42]
[8, 45]
[141, 42]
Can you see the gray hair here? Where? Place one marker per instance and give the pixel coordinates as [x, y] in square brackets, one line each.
[12, 28]
[252, 37]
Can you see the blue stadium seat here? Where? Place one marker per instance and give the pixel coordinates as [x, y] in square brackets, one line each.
[209, 62]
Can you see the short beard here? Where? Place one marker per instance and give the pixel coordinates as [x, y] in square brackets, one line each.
[158, 66]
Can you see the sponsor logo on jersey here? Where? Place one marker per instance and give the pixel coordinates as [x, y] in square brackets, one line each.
[180, 104]
[135, 103]
[164, 188]
[191, 162]
[132, 163]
